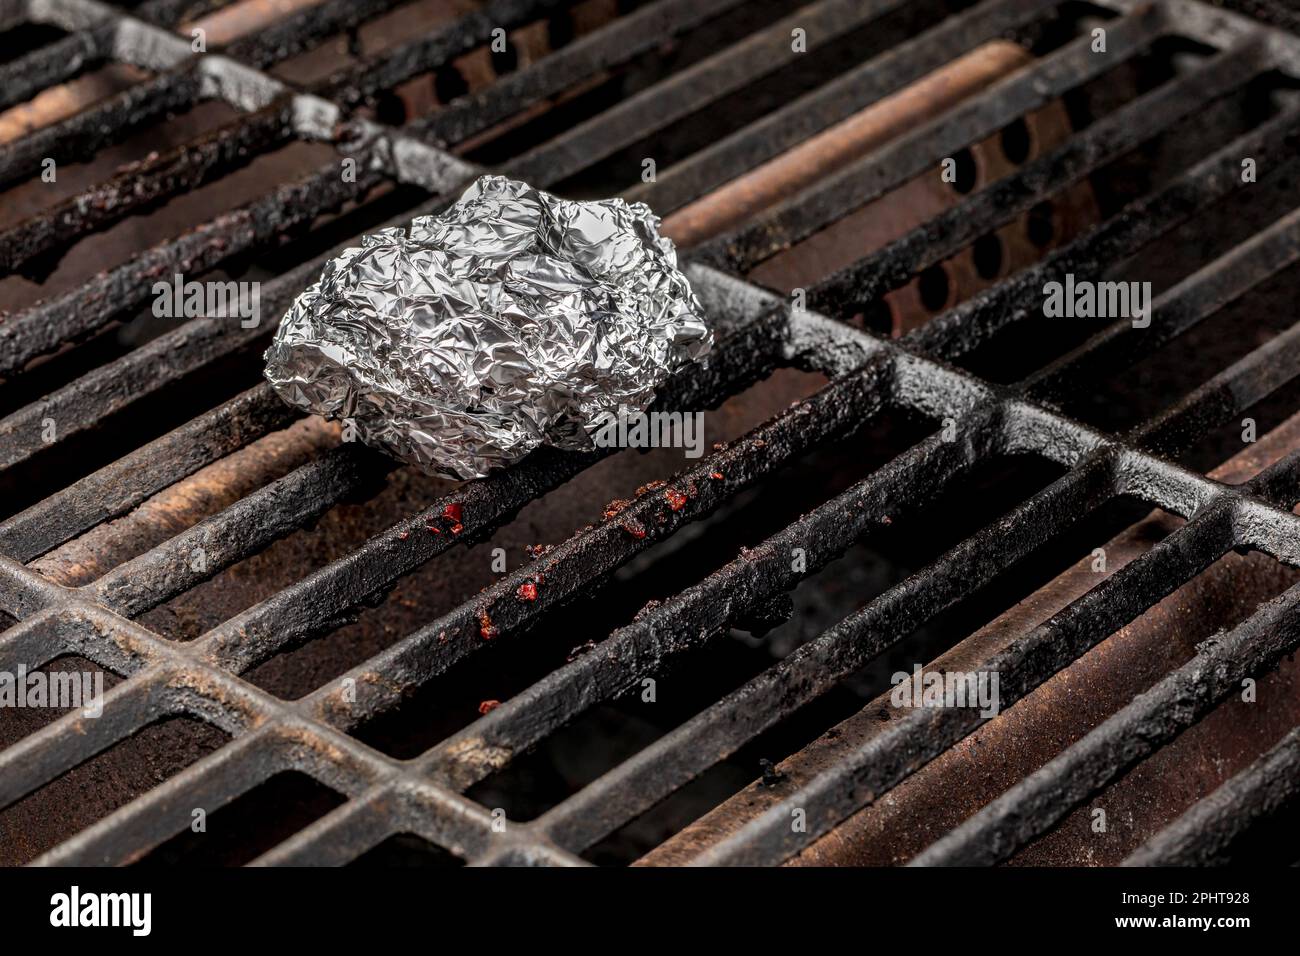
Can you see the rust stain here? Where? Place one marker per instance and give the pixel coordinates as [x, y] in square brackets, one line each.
[184, 504]
[478, 757]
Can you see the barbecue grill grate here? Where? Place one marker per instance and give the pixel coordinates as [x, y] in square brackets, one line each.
[758, 331]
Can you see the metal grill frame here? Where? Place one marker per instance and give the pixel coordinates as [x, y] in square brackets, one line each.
[758, 330]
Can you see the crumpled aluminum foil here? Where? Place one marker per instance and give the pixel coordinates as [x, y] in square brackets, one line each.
[513, 319]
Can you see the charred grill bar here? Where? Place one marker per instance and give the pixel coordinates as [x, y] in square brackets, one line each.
[758, 331]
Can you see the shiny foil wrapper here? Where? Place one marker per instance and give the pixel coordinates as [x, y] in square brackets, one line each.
[511, 320]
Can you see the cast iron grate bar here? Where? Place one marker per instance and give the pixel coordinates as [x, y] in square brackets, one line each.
[1181, 308]
[977, 320]
[93, 305]
[120, 486]
[1051, 507]
[28, 75]
[693, 89]
[614, 44]
[1206, 834]
[905, 157]
[1155, 718]
[388, 796]
[303, 29]
[1000, 202]
[354, 84]
[832, 102]
[80, 136]
[182, 168]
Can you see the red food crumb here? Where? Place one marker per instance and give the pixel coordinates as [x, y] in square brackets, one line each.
[615, 506]
[527, 591]
[453, 512]
[634, 528]
[457, 528]
[488, 706]
[676, 500]
[486, 629]
[433, 529]
[716, 475]
[649, 487]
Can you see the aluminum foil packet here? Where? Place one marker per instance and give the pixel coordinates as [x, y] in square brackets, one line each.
[511, 320]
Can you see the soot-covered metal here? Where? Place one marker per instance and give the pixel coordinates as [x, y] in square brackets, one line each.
[213, 666]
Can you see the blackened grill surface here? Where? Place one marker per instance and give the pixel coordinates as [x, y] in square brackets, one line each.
[383, 797]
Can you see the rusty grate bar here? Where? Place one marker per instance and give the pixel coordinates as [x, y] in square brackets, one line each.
[185, 167]
[1205, 834]
[352, 85]
[79, 137]
[387, 796]
[303, 29]
[1106, 140]
[1191, 301]
[243, 529]
[692, 89]
[677, 758]
[1211, 531]
[612, 45]
[1156, 717]
[248, 638]
[116, 488]
[903, 158]
[167, 13]
[963, 328]
[93, 40]
[837, 100]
